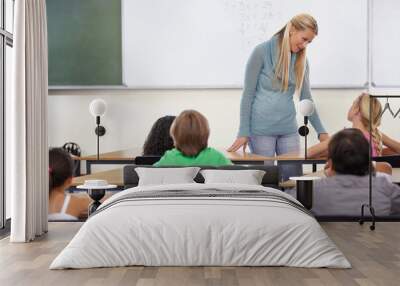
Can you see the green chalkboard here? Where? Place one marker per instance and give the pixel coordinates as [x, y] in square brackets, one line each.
[84, 41]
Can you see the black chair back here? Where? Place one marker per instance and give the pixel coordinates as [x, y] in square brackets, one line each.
[74, 149]
[147, 160]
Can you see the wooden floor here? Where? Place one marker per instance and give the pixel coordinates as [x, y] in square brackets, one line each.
[374, 255]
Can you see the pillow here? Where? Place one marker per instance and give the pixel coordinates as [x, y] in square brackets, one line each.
[166, 176]
[248, 177]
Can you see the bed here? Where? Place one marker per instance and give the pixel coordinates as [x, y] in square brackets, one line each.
[193, 224]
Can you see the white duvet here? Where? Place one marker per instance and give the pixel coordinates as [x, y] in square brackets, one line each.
[200, 231]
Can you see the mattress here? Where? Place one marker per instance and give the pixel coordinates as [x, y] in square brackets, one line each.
[201, 225]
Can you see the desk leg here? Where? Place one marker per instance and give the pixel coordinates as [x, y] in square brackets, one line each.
[304, 193]
[314, 167]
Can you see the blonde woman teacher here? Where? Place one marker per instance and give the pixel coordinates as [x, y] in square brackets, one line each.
[276, 70]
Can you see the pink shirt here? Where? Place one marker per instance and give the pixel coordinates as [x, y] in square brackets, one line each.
[374, 146]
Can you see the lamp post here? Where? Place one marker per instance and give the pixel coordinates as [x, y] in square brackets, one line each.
[98, 108]
[306, 108]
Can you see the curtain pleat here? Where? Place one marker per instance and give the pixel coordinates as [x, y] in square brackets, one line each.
[29, 156]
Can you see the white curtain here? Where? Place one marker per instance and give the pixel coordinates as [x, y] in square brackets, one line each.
[28, 157]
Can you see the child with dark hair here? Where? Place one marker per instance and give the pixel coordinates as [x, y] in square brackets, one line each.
[346, 186]
[63, 206]
[159, 139]
[348, 153]
[190, 132]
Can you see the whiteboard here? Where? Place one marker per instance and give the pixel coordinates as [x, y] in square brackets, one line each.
[206, 43]
[385, 43]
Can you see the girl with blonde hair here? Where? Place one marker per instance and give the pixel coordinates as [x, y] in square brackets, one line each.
[359, 115]
[275, 71]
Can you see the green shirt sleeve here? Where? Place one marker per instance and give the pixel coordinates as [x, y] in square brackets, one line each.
[222, 160]
[226, 161]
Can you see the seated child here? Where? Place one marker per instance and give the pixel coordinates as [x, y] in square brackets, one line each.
[190, 133]
[346, 186]
[63, 206]
[159, 140]
[358, 114]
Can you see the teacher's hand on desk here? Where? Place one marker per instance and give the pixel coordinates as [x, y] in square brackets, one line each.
[239, 142]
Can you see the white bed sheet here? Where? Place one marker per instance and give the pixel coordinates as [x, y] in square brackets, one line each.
[200, 231]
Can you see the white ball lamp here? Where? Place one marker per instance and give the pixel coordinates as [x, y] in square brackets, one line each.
[97, 108]
[306, 108]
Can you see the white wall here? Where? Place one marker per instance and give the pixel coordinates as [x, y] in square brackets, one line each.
[131, 113]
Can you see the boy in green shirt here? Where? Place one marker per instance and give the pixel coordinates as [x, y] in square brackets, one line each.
[190, 132]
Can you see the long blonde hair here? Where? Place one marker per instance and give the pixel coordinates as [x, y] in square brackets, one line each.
[376, 112]
[300, 22]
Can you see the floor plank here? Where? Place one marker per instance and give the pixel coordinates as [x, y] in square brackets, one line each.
[374, 255]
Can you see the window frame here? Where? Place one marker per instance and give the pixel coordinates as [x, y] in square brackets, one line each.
[6, 39]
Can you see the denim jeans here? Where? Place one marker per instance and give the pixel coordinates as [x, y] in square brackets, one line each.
[276, 145]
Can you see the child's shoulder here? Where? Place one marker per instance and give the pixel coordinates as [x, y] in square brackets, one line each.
[172, 152]
[218, 156]
[212, 150]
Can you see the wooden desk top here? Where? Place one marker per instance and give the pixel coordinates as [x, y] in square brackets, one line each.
[296, 156]
[130, 155]
[292, 184]
[113, 177]
[240, 156]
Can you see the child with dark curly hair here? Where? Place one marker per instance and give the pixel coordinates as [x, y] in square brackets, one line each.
[159, 140]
